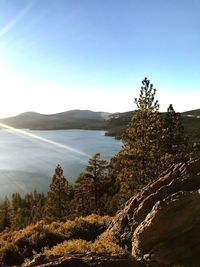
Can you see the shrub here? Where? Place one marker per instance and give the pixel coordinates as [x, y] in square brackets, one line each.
[103, 245]
[23, 242]
[17, 245]
[86, 228]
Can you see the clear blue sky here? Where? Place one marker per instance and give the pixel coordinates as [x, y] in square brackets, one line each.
[57, 55]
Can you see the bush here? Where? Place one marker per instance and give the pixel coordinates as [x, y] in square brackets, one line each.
[86, 228]
[22, 243]
[18, 245]
[103, 245]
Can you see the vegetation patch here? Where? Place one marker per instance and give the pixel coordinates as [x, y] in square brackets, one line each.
[17, 245]
[103, 246]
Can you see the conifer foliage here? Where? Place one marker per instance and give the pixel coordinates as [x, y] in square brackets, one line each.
[96, 169]
[84, 194]
[151, 143]
[57, 203]
[5, 214]
[175, 143]
[89, 186]
[142, 137]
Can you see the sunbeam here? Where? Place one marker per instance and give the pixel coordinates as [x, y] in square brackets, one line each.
[39, 138]
[15, 20]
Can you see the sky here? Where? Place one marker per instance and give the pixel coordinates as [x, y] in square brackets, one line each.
[58, 55]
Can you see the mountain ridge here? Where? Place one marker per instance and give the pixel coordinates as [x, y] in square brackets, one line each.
[194, 112]
[113, 123]
[83, 119]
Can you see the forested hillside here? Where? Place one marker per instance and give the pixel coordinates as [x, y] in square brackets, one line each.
[190, 120]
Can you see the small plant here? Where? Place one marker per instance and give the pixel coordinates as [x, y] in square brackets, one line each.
[103, 245]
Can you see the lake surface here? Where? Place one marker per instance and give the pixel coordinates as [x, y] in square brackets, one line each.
[28, 158]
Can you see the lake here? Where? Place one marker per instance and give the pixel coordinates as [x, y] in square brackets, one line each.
[28, 158]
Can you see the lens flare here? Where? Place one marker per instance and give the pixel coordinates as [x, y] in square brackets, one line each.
[16, 19]
[45, 140]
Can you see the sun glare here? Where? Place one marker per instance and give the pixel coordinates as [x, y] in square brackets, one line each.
[45, 140]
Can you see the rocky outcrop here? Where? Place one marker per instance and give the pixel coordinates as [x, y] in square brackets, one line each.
[85, 260]
[161, 224]
[170, 234]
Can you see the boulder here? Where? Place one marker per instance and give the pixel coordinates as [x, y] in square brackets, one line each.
[170, 233]
[161, 223]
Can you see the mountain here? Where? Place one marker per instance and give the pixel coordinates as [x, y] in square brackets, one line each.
[113, 123]
[77, 119]
[190, 119]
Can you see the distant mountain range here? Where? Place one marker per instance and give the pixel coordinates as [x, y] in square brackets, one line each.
[112, 123]
[73, 119]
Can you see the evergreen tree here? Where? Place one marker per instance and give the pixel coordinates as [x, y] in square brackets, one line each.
[97, 181]
[84, 195]
[151, 143]
[26, 210]
[17, 212]
[38, 207]
[141, 152]
[97, 170]
[90, 187]
[175, 143]
[57, 203]
[5, 214]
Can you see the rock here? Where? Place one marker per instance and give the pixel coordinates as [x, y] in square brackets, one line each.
[89, 260]
[161, 223]
[170, 234]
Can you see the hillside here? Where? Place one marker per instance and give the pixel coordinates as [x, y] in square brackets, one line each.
[73, 119]
[190, 119]
[113, 123]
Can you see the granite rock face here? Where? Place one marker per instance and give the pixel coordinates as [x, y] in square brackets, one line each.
[161, 224]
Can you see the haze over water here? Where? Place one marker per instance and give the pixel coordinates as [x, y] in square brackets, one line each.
[27, 163]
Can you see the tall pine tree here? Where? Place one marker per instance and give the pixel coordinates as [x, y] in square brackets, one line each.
[139, 160]
[5, 214]
[175, 143]
[141, 151]
[84, 195]
[97, 170]
[57, 202]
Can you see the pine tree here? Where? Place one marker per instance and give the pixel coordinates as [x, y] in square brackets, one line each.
[141, 152]
[139, 160]
[84, 195]
[97, 169]
[17, 212]
[5, 214]
[38, 207]
[175, 143]
[57, 203]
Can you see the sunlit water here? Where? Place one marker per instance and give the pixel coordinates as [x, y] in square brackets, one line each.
[27, 163]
